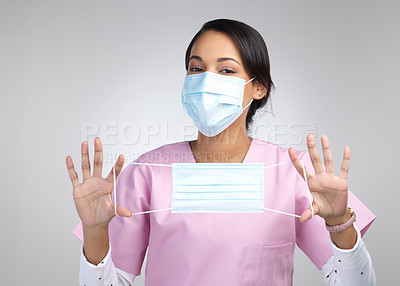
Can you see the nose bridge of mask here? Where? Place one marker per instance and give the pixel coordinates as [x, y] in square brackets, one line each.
[197, 87]
[213, 84]
[242, 191]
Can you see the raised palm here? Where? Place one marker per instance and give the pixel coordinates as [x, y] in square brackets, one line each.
[330, 192]
[92, 197]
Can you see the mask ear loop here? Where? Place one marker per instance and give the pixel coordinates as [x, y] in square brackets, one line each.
[247, 104]
[249, 81]
[276, 211]
[115, 191]
[252, 98]
[308, 189]
[115, 194]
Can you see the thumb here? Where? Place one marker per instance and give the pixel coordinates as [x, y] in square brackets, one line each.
[307, 214]
[123, 211]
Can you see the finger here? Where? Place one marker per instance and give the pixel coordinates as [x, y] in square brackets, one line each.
[298, 164]
[123, 211]
[85, 160]
[346, 163]
[71, 171]
[328, 159]
[312, 149]
[307, 214]
[98, 158]
[118, 167]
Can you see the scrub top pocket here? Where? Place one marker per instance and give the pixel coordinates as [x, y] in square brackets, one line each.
[268, 265]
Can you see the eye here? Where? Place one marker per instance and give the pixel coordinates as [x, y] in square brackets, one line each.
[227, 71]
[195, 69]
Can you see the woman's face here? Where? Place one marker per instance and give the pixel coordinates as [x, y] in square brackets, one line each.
[216, 52]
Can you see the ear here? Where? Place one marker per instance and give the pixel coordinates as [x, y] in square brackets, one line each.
[259, 90]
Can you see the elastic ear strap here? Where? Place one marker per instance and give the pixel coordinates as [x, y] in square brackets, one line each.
[248, 81]
[281, 212]
[248, 104]
[152, 211]
[115, 193]
[308, 189]
[270, 166]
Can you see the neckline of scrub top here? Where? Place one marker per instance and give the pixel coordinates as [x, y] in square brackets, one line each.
[244, 159]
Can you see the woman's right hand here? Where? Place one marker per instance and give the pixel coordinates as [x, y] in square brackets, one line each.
[92, 197]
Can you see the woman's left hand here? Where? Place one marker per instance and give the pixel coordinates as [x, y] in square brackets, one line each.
[330, 192]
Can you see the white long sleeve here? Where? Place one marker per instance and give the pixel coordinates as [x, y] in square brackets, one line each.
[351, 267]
[103, 274]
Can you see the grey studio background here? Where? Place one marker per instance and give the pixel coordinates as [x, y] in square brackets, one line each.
[73, 70]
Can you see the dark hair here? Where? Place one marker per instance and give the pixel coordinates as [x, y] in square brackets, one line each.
[253, 51]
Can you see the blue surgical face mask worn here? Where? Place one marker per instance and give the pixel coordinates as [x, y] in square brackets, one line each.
[213, 101]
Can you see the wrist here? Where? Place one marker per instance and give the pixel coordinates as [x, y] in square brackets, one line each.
[340, 219]
[95, 229]
[335, 226]
[95, 243]
[95, 234]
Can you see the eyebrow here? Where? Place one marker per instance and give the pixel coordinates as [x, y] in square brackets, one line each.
[218, 60]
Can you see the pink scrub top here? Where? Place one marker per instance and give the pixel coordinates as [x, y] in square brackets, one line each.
[218, 248]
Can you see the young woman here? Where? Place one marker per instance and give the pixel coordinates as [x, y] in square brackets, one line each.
[228, 79]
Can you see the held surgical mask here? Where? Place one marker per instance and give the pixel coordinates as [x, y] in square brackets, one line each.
[213, 101]
[217, 188]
